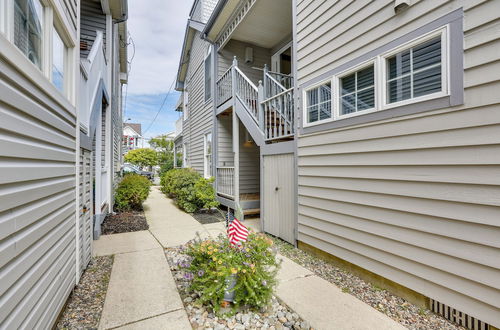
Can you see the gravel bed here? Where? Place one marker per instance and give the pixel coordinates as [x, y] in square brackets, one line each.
[84, 306]
[124, 222]
[275, 316]
[397, 308]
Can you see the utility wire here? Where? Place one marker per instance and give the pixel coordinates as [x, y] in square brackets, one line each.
[161, 107]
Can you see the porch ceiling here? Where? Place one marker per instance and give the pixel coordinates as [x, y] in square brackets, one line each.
[267, 23]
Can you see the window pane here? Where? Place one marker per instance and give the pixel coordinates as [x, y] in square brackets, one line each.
[365, 78]
[348, 84]
[399, 89]
[58, 51]
[427, 81]
[366, 99]
[319, 105]
[427, 54]
[399, 64]
[28, 22]
[348, 104]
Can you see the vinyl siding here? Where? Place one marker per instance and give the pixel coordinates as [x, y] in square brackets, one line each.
[225, 154]
[414, 199]
[92, 19]
[249, 164]
[261, 57]
[70, 11]
[37, 197]
[200, 119]
[203, 9]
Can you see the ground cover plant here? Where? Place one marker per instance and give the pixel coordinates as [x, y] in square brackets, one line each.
[190, 190]
[132, 191]
[216, 268]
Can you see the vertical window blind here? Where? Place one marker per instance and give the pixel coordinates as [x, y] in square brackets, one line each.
[358, 91]
[415, 71]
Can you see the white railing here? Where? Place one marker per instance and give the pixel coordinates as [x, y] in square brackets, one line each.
[247, 92]
[278, 116]
[178, 127]
[92, 70]
[225, 181]
[224, 87]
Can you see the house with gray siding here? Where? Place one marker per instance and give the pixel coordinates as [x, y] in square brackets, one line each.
[61, 69]
[365, 131]
[398, 116]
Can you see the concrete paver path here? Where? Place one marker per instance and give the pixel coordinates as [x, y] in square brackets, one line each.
[142, 292]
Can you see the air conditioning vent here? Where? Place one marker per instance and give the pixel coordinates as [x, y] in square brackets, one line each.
[457, 316]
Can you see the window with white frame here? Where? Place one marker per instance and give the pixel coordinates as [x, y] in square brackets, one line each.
[59, 51]
[208, 76]
[184, 155]
[357, 91]
[208, 155]
[28, 29]
[318, 102]
[415, 71]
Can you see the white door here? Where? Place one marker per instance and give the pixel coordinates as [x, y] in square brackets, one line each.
[85, 219]
[279, 196]
[281, 61]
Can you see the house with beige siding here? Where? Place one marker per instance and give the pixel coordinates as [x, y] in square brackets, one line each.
[397, 146]
[62, 64]
[365, 131]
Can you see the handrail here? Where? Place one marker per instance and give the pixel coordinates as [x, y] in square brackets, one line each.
[274, 80]
[278, 95]
[246, 78]
[224, 86]
[95, 46]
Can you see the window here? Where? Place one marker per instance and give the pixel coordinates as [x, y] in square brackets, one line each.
[184, 155]
[208, 155]
[357, 91]
[318, 103]
[28, 29]
[415, 71]
[208, 76]
[186, 101]
[58, 60]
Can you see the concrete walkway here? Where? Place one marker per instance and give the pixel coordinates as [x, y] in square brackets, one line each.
[142, 292]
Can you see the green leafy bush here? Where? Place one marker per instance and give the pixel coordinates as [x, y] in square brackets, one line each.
[131, 192]
[191, 191]
[209, 266]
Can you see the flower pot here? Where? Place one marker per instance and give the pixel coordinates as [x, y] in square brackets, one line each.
[230, 284]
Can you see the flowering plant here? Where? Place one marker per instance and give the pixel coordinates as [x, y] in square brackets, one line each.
[209, 264]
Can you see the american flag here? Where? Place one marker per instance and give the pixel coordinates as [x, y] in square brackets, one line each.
[236, 231]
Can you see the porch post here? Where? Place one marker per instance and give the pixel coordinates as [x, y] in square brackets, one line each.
[260, 99]
[236, 151]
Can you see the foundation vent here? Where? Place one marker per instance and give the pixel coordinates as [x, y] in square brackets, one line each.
[457, 316]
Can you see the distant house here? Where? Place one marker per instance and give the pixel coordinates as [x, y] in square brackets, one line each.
[132, 138]
[362, 130]
[62, 64]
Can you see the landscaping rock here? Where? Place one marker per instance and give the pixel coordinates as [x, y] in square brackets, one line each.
[276, 316]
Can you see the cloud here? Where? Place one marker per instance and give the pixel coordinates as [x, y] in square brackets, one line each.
[157, 29]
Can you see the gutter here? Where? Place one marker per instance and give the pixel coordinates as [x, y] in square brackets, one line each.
[213, 17]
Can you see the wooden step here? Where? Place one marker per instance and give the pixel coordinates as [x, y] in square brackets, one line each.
[251, 211]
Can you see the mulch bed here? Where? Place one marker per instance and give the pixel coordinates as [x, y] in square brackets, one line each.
[124, 222]
[84, 306]
[212, 216]
[400, 310]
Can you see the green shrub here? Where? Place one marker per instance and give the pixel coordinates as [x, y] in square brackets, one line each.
[131, 192]
[190, 191]
[210, 264]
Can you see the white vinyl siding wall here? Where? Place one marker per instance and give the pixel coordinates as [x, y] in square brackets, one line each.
[415, 198]
[37, 196]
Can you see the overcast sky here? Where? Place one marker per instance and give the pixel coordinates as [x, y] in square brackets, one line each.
[157, 29]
